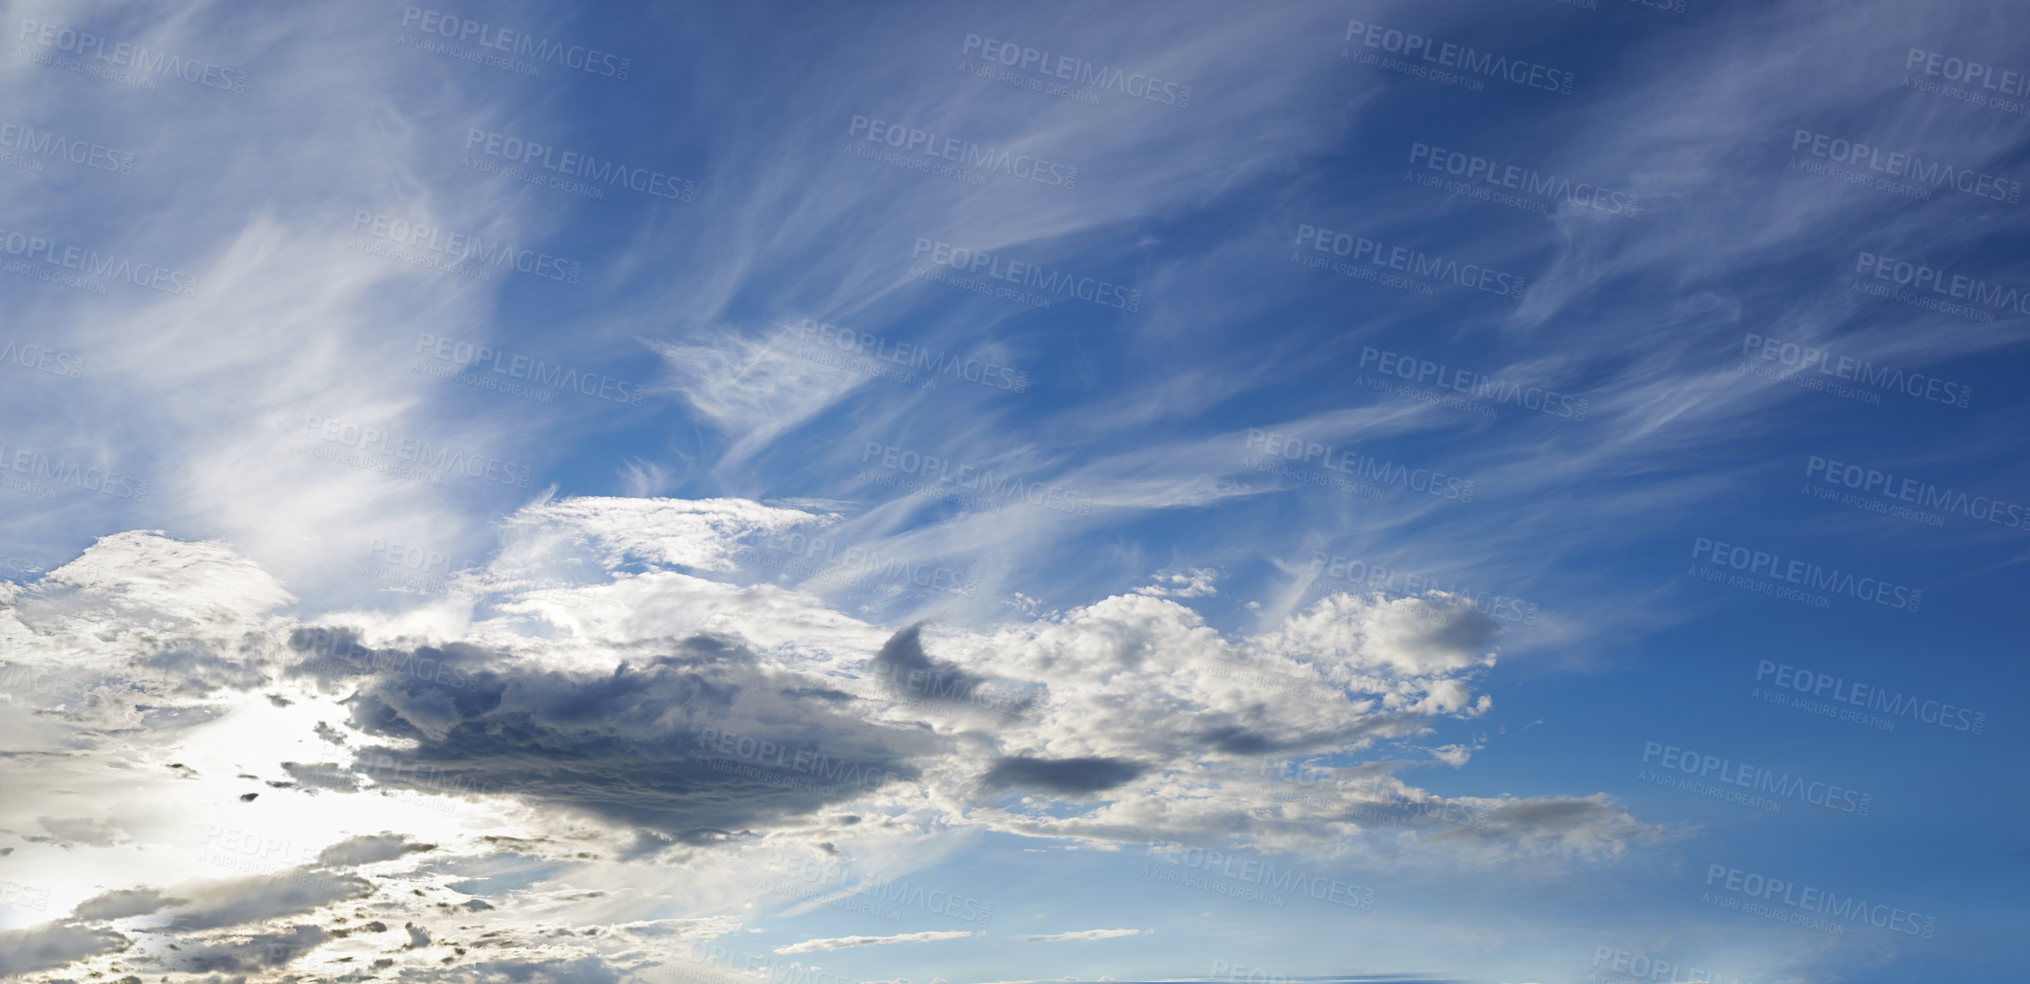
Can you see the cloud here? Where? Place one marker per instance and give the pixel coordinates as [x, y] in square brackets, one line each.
[674, 743]
[54, 945]
[601, 738]
[248, 953]
[290, 892]
[369, 850]
[906, 670]
[1194, 583]
[1074, 776]
[576, 970]
[609, 533]
[1081, 934]
[846, 942]
[124, 903]
[1591, 826]
[82, 830]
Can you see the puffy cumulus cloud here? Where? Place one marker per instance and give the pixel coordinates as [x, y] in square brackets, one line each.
[705, 722]
[846, 942]
[147, 573]
[1411, 638]
[1140, 679]
[138, 632]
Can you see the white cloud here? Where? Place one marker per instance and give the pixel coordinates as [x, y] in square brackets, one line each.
[845, 942]
[1078, 935]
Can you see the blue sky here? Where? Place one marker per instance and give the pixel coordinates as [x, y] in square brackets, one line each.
[1524, 492]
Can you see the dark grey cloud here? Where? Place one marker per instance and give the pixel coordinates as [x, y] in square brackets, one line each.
[1464, 629]
[695, 744]
[234, 901]
[909, 673]
[1584, 821]
[334, 656]
[124, 903]
[1071, 776]
[53, 945]
[1259, 736]
[583, 970]
[247, 954]
[321, 775]
[369, 849]
[204, 666]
